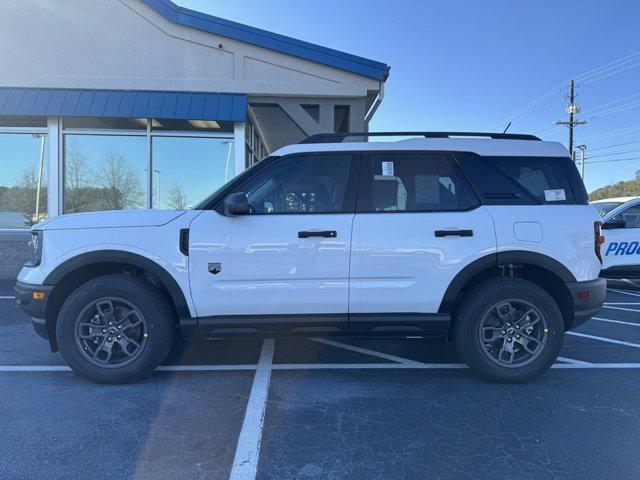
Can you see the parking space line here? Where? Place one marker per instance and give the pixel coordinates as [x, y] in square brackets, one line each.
[621, 303]
[624, 292]
[245, 462]
[615, 321]
[366, 351]
[7, 297]
[621, 308]
[604, 339]
[372, 366]
[572, 361]
[631, 282]
[204, 368]
[34, 368]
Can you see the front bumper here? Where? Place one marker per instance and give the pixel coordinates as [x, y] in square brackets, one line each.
[34, 305]
[587, 298]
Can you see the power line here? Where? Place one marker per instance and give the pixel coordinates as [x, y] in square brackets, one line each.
[613, 160]
[608, 66]
[612, 146]
[615, 153]
[613, 133]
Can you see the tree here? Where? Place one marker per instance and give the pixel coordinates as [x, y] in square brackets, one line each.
[22, 196]
[79, 179]
[176, 198]
[121, 188]
[629, 188]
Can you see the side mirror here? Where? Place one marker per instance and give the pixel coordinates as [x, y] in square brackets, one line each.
[614, 223]
[236, 204]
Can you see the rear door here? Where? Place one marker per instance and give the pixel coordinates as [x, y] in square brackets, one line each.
[417, 225]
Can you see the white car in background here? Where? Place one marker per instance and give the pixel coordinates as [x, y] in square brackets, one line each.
[621, 248]
[606, 205]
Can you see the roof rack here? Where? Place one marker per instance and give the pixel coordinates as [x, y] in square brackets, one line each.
[339, 137]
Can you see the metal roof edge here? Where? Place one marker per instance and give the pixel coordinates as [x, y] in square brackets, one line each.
[269, 40]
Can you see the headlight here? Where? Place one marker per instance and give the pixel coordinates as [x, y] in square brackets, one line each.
[36, 247]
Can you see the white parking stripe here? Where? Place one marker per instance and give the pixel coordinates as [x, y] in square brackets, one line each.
[572, 361]
[7, 297]
[576, 364]
[604, 339]
[372, 366]
[621, 308]
[615, 321]
[621, 303]
[624, 292]
[366, 351]
[245, 463]
[631, 282]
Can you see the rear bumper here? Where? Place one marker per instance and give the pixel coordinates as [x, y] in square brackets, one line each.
[587, 298]
[35, 308]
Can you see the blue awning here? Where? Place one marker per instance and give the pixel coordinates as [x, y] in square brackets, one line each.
[67, 102]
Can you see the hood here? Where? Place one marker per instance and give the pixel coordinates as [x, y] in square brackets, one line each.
[110, 219]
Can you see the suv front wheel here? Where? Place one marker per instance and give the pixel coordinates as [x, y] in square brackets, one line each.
[508, 330]
[115, 329]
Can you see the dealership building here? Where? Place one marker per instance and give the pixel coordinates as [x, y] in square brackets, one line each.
[126, 104]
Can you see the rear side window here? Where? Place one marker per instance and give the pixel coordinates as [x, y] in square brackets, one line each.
[519, 180]
[412, 182]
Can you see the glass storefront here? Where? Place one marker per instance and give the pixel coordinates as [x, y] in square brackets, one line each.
[186, 170]
[23, 179]
[121, 164]
[104, 172]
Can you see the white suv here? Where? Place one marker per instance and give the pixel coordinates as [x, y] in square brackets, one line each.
[490, 241]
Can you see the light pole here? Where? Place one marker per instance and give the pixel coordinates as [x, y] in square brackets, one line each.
[157, 172]
[226, 170]
[582, 149]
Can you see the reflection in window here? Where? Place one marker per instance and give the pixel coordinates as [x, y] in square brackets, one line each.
[304, 184]
[104, 172]
[186, 170]
[23, 180]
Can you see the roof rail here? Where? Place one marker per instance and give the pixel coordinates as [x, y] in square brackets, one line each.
[339, 137]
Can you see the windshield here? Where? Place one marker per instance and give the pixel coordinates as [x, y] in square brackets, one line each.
[605, 207]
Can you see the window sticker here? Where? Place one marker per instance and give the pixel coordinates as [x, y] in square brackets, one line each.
[387, 169]
[555, 195]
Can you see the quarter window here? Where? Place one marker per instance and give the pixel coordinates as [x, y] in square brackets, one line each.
[420, 182]
[300, 184]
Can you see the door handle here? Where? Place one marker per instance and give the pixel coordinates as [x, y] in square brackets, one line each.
[454, 233]
[318, 233]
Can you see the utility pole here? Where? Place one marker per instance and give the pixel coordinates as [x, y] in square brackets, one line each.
[572, 109]
[582, 149]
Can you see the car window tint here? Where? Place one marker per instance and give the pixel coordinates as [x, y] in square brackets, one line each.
[415, 183]
[518, 180]
[300, 184]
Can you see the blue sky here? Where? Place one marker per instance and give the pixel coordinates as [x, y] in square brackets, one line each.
[470, 65]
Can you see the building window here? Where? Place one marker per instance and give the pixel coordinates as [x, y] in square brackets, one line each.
[255, 149]
[341, 118]
[23, 179]
[186, 170]
[130, 163]
[104, 172]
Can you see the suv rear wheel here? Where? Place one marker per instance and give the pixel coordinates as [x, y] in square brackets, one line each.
[115, 329]
[508, 330]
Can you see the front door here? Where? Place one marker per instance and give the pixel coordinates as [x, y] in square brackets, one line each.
[285, 266]
[417, 225]
[621, 248]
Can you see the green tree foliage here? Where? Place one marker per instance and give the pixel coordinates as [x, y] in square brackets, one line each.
[628, 188]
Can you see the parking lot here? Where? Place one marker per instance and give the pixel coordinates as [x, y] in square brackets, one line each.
[326, 409]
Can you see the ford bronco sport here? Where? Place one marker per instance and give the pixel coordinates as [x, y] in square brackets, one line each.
[484, 238]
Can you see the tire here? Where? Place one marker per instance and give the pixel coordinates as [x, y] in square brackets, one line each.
[492, 304]
[140, 314]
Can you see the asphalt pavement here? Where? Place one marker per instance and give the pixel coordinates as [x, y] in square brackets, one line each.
[317, 409]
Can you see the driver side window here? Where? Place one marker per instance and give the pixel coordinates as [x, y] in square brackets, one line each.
[314, 183]
[631, 217]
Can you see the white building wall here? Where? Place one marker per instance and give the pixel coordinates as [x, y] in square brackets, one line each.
[124, 44]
